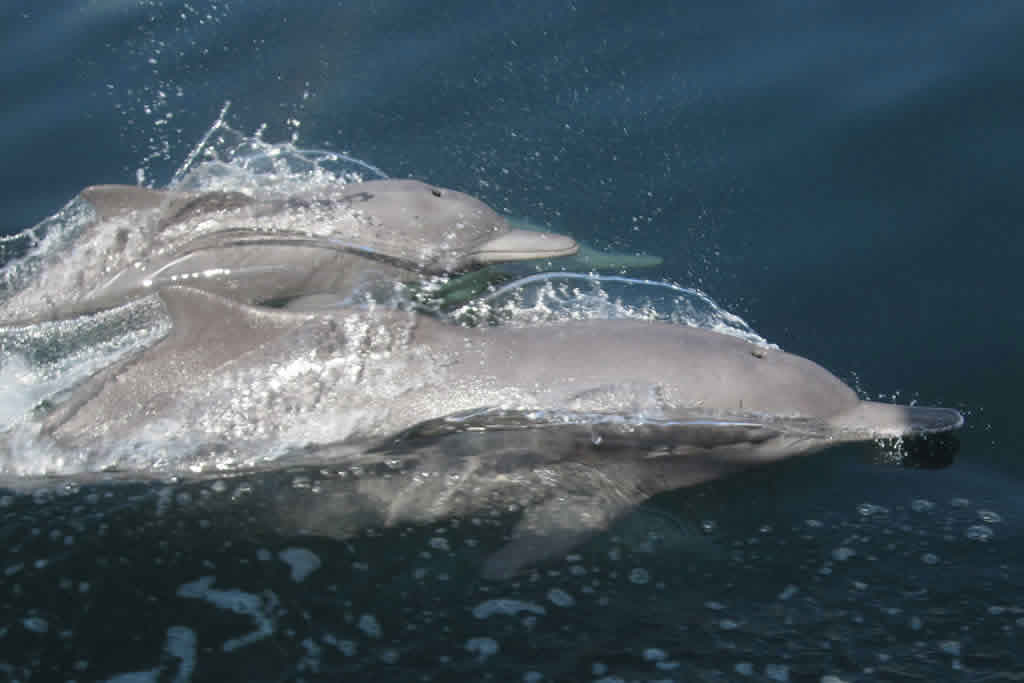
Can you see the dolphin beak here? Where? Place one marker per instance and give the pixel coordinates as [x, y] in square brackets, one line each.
[524, 245]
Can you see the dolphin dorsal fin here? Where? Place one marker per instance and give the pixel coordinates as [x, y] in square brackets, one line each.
[114, 200]
[200, 317]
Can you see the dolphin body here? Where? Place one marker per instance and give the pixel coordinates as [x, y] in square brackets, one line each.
[361, 237]
[627, 380]
[572, 424]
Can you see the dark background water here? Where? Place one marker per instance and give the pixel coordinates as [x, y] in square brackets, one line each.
[845, 176]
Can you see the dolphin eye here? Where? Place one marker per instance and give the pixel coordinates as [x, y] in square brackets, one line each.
[436, 192]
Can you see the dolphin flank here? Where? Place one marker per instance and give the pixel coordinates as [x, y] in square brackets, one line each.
[685, 386]
[358, 238]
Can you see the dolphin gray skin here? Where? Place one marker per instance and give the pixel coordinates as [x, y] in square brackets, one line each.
[336, 243]
[609, 379]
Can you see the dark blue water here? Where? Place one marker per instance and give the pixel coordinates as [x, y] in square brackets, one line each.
[845, 177]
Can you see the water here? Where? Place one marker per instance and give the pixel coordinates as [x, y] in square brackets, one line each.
[842, 179]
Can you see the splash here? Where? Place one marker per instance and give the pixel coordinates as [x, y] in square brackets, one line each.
[228, 160]
[45, 264]
[552, 297]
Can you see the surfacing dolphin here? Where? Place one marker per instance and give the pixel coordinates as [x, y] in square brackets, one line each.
[572, 424]
[357, 238]
[690, 389]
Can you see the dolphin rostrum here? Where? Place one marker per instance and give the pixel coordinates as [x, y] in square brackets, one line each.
[337, 242]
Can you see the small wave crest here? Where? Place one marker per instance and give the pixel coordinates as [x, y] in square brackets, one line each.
[553, 297]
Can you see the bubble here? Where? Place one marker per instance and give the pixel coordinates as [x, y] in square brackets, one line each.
[922, 505]
[369, 625]
[870, 509]
[843, 554]
[639, 576]
[744, 669]
[788, 592]
[482, 647]
[979, 532]
[989, 517]
[35, 624]
[559, 597]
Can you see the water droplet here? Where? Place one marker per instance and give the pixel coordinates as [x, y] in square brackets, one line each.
[561, 598]
[989, 517]
[788, 592]
[930, 558]
[869, 509]
[639, 576]
[843, 554]
[979, 532]
[922, 505]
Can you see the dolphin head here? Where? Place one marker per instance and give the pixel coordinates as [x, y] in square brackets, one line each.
[446, 230]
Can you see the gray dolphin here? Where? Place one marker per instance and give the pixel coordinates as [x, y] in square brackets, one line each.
[572, 424]
[375, 233]
[690, 389]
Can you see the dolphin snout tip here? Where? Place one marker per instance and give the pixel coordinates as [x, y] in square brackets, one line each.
[525, 245]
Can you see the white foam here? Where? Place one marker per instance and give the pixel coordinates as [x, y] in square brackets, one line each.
[259, 609]
[506, 606]
[301, 561]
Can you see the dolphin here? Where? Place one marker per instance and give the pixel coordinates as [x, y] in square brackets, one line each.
[573, 424]
[543, 492]
[232, 372]
[361, 237]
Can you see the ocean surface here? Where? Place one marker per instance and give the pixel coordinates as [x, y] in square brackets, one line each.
[845, 178]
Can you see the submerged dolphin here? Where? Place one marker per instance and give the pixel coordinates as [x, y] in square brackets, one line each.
[362, 235]
[587, 259]
[231, 372]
